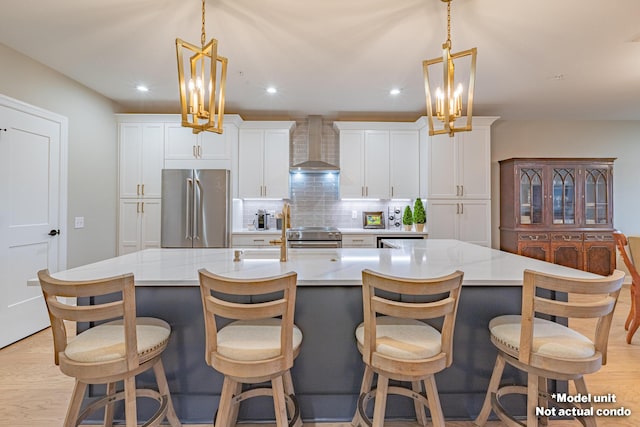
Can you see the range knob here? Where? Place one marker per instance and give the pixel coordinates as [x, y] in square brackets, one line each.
[397, 211]
[397, 224]
[391, 217]
[295, 234]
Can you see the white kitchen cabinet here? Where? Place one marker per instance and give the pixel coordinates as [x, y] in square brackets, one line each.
[141, 159]
[364, 164]
[467, 220]
[379, 160]
[263, 161]
[404, 158]
[460, 166]
[182, 144]
[139, 225]
[258, 239]
[358, 240]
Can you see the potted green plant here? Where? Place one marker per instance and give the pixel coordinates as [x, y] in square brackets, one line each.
[407, 218]
[419, 215]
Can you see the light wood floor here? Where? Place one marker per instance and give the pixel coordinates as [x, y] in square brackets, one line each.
[33, 392]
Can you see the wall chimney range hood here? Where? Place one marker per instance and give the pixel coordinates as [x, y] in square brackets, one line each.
[314, 164]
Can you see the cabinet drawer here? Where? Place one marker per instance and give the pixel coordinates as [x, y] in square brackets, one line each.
[566, 237]
[358, 241]
[598, 237]
[238, 241]
[533, 237]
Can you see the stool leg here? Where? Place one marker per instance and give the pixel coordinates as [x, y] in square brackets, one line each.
[632, 311]
[494, 382]
[235, 407]
[532, 400]
[381, 401]
[74, 405]
[279, 403]
[224, 408]
[108, 410]
[289, 390]
[437, 417]
[163, 387]
[421, 417]
[542, 387]
[130, 410]
[581, 387]
[367, 379]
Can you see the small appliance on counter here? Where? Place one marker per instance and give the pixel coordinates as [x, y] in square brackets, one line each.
[394, 217]
[262, 220]
[373, 219]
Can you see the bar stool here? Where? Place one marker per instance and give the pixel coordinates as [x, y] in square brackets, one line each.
[398, 345]
[633, 244]
[257, 346]
[109, 352]
[545, 349]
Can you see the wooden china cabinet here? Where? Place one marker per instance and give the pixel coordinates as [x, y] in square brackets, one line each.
[559, 210]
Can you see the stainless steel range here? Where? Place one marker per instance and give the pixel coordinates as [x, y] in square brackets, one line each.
[314, 237]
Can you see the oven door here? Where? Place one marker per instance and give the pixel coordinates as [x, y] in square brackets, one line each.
[310, 244]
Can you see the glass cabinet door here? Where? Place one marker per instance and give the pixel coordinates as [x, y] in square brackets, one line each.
[531, 196]
[564, 195]
[596, 205]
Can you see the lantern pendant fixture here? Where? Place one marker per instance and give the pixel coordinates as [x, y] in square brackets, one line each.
[448, 103]
[201, 89]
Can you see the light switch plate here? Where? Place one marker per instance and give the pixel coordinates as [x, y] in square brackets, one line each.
[79, 222]
[354, 214]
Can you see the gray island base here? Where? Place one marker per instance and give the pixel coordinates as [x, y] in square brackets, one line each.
[329, 369]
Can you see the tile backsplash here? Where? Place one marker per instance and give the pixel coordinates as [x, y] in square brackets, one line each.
[315, 201]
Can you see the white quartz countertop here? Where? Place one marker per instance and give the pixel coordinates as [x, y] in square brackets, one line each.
[323, 267]
[374, 231]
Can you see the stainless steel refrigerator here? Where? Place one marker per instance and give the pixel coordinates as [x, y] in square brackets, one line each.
[196, 208]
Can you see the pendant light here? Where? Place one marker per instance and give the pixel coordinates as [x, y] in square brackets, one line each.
[449, 103]
[201, 88]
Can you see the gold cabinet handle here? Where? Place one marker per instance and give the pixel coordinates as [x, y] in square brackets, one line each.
[137, 207]
[143, 189]
[138, 190]
[142, 210]
[461, 208]
[458, 208]
[193, 151]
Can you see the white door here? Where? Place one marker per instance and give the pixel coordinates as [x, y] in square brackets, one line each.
[443, 217]
[376, 164]
[180, 142]
[351, 164]
[32, 206]
[443, 166]
[404, 147]
[250, 163]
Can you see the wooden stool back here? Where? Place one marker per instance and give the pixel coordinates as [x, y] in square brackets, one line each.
[632, 243]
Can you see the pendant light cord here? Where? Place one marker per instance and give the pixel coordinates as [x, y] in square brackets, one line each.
[448, 22]
[203, 37]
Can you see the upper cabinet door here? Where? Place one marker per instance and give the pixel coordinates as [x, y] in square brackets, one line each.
[180, 143]
[352, 164]
[443, 167]
[276, 164]
[250, 163]
[152, 159]
[405, 164]
[474, 159]
[376, 164]
[214, 146]
[141, 159]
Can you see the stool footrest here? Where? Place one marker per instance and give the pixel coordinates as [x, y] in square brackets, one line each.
[155, 419]
[364, 399]
[292, 403]
[508, 419]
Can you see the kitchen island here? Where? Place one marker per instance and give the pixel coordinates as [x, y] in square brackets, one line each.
[328, 372]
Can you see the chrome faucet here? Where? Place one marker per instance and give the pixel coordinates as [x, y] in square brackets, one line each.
[286, 218]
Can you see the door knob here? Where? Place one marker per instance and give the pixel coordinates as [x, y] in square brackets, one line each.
[54, 232]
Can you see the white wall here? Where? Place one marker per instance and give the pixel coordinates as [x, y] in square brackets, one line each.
[619, 139]
[92, 150]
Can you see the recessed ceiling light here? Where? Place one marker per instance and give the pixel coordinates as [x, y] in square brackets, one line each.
[272, 89]
[142, 88]
[395, 91]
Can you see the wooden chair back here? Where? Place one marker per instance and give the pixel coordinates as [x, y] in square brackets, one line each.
[633, 244]
[280, 306]
[124, 307]
[445, 290]
[604, 295]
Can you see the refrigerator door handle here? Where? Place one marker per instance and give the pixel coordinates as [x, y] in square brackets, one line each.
[198, 213]
[189, 223]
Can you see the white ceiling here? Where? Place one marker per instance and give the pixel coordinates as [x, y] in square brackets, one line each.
[339, 58]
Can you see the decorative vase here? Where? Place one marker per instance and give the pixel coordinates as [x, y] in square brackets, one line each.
[420, 227]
